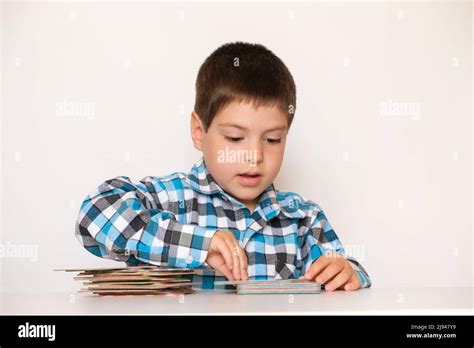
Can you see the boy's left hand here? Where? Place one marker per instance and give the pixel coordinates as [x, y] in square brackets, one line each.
[334, 270]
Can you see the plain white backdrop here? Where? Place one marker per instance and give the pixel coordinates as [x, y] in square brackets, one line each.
[382, 136]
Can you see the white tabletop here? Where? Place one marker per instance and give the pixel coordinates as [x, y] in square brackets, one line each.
[419, 301]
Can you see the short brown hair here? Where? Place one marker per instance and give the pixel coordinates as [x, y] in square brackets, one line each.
[242, 71]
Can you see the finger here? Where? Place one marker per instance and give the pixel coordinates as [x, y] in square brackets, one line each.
[329, 272]
[235, 258]
[245, 274]
[340, 279]
[317, 267]
[353, 283]
[226, 271]
[217, 262]
[226, 253]
[236, 253]
[243, 263]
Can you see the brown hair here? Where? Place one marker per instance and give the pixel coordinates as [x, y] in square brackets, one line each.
[242, 71]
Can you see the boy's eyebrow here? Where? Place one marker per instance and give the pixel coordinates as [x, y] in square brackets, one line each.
[244, 128]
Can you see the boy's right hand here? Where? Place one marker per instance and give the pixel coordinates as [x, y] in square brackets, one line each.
[227, 256]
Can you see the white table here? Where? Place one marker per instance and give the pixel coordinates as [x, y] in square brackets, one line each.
[421, 301]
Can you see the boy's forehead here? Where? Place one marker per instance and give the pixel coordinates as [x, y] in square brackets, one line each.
[245, 115]
[242, 127]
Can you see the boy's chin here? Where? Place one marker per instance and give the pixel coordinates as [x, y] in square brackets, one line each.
[247, 194]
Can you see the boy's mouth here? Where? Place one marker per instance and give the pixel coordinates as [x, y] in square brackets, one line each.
[250, 179]
[250, 174]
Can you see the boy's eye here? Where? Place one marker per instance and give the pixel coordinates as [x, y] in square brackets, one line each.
[234, 139]
[273, 141]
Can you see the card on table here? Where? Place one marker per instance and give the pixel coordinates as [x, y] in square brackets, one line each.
[283, 286]
[135, 280]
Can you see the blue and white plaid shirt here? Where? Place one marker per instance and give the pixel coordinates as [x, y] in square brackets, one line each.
[170, 221]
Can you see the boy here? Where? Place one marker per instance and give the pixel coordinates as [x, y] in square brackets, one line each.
[225, 218]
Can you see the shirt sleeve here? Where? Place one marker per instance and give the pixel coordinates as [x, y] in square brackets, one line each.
[321, 239]
[127, 221]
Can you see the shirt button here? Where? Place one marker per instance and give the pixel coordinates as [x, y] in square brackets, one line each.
[189, 259]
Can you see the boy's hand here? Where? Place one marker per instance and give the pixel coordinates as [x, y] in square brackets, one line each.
[226, 255]
[334, 270]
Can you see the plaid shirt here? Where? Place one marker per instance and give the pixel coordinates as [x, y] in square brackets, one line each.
[170, 221]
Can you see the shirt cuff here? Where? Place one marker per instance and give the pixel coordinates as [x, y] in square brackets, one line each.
[364, 278]
[197, 252]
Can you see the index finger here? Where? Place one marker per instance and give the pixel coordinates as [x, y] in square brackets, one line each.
[321, 263]
[243, 263]
[236, 260]
[226, 253]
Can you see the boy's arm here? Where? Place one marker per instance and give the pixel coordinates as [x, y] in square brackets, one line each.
[122, 220]
[320, 239]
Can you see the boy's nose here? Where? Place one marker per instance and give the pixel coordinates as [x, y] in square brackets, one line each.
[256, 155]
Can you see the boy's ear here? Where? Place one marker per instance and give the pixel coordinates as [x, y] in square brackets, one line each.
[197, 130]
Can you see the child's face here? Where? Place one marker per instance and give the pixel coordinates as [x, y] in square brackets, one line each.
[243, 139]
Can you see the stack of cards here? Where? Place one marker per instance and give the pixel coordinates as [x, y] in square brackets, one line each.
[138, 280]
[284, 286]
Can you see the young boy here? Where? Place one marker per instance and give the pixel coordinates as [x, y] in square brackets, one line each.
[225, 218]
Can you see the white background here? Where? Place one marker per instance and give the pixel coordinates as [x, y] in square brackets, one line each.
[397, 187]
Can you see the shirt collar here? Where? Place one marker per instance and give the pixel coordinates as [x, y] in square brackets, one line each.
[269, 205]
